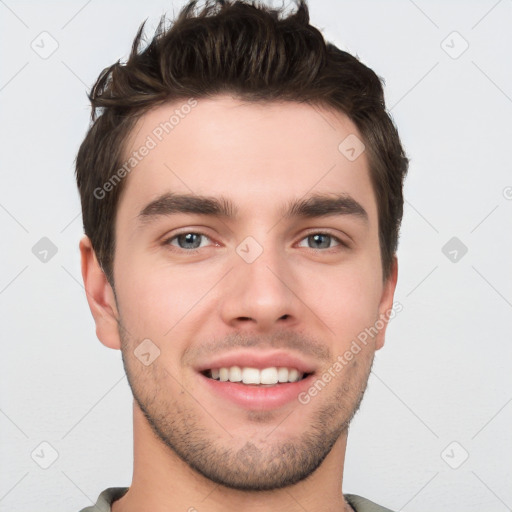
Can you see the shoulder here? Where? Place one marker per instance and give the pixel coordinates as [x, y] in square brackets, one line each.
[361, 504]
[105, 499]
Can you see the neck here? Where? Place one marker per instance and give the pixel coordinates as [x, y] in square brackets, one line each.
[163, 482]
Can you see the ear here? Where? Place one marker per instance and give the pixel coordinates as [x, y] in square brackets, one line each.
[100, 296]
[386, 302]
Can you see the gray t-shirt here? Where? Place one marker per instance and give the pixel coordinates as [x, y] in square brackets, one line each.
[108, 496]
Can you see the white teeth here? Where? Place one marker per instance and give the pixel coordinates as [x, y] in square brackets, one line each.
[268, 376]
[251, 376]
[235, 374]
[282, 374]
[293, 375]
[248, 375]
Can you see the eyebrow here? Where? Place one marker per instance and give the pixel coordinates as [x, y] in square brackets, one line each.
[317, 205]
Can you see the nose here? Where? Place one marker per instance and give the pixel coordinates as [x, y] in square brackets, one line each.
[259, 295]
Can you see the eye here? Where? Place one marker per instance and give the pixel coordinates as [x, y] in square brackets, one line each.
[322, 240]
[189, 240]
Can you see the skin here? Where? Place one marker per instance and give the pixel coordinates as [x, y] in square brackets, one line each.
[194, 450]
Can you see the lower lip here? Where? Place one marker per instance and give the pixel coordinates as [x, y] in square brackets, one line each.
[261, 398]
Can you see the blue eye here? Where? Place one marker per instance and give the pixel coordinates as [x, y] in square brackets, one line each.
[191, 241]
[187, 241]
[321, 240]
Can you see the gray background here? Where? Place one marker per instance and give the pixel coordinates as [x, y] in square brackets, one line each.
[441, 387]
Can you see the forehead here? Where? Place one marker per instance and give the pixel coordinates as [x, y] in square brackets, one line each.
[258, 154]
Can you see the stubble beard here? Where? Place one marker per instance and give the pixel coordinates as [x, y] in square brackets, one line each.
[183, 427]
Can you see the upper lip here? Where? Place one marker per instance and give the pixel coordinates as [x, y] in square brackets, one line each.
[257, 359]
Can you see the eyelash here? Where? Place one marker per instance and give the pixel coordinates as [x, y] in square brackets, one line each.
[167, 242]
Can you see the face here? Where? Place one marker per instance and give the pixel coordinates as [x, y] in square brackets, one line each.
[247, 281]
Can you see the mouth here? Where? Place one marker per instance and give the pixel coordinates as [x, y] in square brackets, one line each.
[255, 389]
[256, 379]
[265, 377]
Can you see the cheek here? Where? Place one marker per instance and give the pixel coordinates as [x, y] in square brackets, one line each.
[345, 297]
[158, 300]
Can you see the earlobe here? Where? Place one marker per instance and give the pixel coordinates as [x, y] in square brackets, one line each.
[100, 296]
[386, 303]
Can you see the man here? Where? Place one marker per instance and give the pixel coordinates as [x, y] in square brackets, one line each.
[242, 196]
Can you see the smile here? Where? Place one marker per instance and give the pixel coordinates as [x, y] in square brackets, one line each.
[262, 389]
[270, 376]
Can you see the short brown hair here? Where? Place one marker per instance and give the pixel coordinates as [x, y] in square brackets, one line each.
[256, 54]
